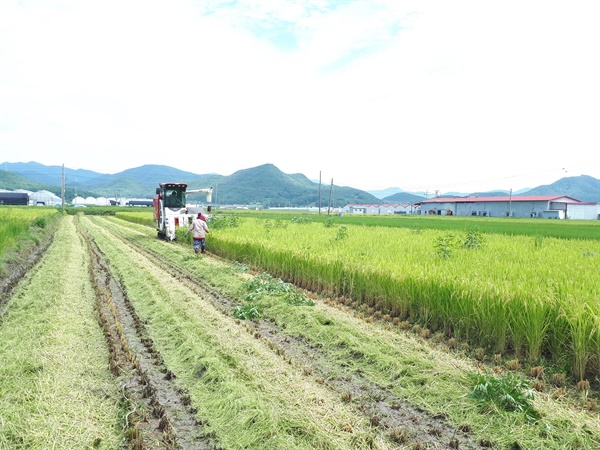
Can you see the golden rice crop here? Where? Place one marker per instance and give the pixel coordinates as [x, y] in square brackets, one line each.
[509, 293]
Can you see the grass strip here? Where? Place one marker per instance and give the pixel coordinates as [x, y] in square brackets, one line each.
[55, 387]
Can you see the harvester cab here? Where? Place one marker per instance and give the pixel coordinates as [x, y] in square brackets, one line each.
[171, 209]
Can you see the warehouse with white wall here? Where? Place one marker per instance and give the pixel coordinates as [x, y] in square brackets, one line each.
[542, 206]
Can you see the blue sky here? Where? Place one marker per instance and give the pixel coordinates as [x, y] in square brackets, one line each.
[436, 95]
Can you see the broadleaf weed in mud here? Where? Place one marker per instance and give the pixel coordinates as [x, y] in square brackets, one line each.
[509, 393]
[267, 285]
[247, 312]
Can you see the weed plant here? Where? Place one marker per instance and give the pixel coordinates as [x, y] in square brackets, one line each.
[509, 393]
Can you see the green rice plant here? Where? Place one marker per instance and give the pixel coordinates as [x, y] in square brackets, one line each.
[508, 294]
[530, 319]
[563, 229]
[492, 311]
[538, 241]
[219, 221]
[142, 216]
[19, 224]
[583, 332]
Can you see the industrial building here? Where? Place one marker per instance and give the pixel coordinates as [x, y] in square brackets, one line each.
[386, 208]
[542, 206]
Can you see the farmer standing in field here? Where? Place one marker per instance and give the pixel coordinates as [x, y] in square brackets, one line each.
[199, 229]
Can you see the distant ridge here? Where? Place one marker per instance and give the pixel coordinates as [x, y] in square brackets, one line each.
[264, 185]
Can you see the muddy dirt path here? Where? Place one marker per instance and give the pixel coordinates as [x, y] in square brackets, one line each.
[161, 415]
[403, 423]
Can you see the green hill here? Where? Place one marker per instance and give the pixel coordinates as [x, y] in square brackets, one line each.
[583, 187]
[402, 197]
[12, 181]
[269, 186]
[265, 185]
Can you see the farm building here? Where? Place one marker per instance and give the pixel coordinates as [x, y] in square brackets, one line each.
[38, 198]
[387, 208]
[14, 198]
[543, 206]
[90, 201]
[44, 198]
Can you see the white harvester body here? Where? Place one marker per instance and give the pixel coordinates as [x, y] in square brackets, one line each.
[171, 210]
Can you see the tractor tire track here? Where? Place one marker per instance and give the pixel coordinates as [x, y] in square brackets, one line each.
[399, 420]
[161, 416]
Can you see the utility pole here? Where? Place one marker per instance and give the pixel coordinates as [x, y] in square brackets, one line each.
[63, 188]
[330, 196]
[319, 192]
[510, 204]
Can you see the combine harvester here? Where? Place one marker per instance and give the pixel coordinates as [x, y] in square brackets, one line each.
[171, 210]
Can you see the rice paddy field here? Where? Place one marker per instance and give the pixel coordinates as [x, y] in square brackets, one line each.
[299, 332]
[531, 295]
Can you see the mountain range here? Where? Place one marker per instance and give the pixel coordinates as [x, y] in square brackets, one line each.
[265, 185]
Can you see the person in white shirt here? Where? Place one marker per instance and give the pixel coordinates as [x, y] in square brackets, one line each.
[199, 228]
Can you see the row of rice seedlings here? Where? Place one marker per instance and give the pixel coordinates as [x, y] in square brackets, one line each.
[245, 392]
[55, 387]
[509, 294]
[432, 379]
[16, 222]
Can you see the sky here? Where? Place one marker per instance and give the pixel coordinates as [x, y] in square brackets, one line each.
[421, 95]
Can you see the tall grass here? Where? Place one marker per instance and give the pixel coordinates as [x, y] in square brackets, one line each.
[507, 294]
